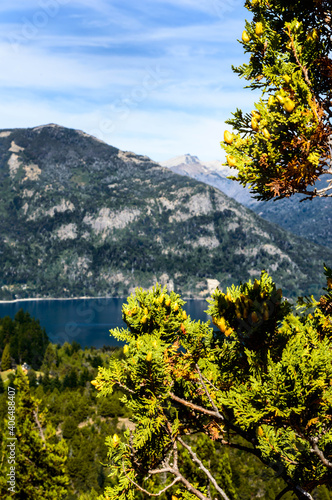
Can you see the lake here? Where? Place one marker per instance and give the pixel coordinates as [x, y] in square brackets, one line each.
[86, 321]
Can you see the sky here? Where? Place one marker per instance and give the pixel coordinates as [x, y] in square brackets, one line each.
[150, 76]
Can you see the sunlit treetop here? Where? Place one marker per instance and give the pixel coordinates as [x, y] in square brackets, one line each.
[284, 145]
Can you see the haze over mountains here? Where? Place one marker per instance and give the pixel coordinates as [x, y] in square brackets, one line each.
[82, 218]
[310, 219]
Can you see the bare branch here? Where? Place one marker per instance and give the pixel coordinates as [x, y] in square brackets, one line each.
[196, 407]
[124, 387]
[208, 394]
[143, 490]
[209, 382]
[175, 461]
[313, 441]
[203, 469]
[192, 489]
[304, 494]
[35, 415]
[159, 471]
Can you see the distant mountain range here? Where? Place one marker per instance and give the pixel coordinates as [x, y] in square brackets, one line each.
[310, 219]
[81, 218]
[212, 173]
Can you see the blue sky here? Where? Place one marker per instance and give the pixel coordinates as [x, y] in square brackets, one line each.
[153, 77]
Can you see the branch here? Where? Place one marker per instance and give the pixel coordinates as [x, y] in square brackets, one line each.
[215, 414]
[125, 387]
[196, 407]
[239, 447]
[313, 441]
[143, 490]
[303, 68]
[208, 394]
[204, 469]
[304, 494]
[179, 477]
[41, 433]
[283, 492]
[209, 382]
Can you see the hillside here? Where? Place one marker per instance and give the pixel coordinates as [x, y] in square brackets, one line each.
[311, 220]
[82, 218]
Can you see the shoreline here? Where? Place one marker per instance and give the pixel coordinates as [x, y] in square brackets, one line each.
[57, 298]
[15, 301]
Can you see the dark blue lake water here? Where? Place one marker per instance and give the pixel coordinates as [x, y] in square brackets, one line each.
[87, 321]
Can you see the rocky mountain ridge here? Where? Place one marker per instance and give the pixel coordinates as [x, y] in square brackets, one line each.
[309, 219]
[82, 218]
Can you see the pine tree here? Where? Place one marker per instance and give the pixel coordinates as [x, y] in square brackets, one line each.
[6, 362]
[39, 459]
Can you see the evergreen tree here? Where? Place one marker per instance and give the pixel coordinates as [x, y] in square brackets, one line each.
[6, 362]
[259, 383]
[39, 460]
[50, 359]
[284, 146]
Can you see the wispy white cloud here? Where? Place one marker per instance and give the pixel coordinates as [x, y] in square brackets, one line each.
[153, 77]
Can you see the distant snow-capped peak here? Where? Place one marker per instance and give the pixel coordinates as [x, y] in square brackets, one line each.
[188, 161]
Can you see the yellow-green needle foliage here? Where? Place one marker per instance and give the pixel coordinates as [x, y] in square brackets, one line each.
[284, 145]
[260, 382]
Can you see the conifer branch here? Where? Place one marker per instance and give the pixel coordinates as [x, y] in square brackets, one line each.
[298, 62]
[239, 447]
[203, 469]
[233, 427]
[209, 382]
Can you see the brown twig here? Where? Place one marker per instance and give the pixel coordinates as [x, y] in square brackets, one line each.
[203, 469]
[196, 407]
[208, 394]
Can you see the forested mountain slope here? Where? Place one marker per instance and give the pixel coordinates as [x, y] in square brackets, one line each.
[82, 218]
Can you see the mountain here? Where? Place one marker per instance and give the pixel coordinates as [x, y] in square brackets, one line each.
[310, 219]
[82, 218]
[212, 173]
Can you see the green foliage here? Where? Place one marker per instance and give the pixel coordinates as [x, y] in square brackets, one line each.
[6, 362]
[260, 384]
[282, 147]
[39, 463]
[27, 340]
